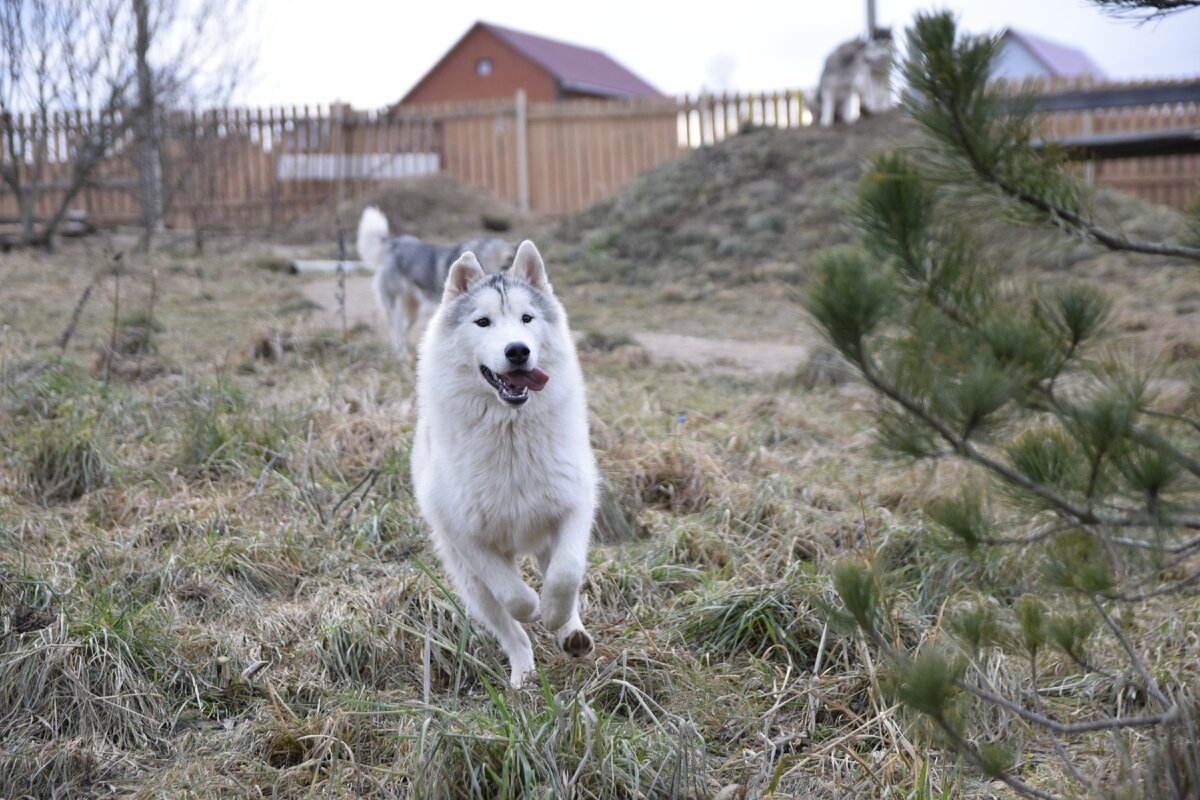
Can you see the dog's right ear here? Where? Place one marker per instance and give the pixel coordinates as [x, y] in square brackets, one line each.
[463, 275]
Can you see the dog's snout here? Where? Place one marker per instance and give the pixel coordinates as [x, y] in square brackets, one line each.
[516, 352]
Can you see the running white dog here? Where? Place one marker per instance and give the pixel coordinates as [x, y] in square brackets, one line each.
[502, 464]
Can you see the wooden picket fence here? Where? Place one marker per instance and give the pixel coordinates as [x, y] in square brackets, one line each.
[263, 168]
[1079, 109]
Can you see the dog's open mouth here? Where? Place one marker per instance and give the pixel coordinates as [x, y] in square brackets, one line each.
[513, 387]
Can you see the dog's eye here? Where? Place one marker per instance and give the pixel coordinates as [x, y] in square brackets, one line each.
[483, 322]
[526, 318]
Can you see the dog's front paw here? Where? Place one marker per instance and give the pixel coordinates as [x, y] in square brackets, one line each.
[559, 594]
[524, 607]
[555, 613]
[575, 643]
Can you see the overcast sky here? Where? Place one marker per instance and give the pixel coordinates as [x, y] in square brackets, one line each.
[369, 53]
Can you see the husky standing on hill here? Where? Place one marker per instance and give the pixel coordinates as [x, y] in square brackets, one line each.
[502, 465]
[857, 79]
[410, 273]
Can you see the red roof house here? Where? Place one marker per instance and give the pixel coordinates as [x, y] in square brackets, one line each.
[493, 62]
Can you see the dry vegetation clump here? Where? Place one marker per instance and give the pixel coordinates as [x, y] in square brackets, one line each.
[775, 620]
[675, 475]
[218, 432]
[561, 745]
[79, 767]
[64, 459]
[414, 636]
[434, 208]
[61, 449]
[108, 674]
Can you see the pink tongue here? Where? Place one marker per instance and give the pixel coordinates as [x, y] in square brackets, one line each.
[533, 379]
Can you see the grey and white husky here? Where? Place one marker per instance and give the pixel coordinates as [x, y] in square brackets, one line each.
[502, 465]
[857, 79]
[410, 273]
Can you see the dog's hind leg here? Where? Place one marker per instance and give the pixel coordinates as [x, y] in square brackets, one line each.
[390, 305]
[562, 567]
[399, 323]
[412, 313]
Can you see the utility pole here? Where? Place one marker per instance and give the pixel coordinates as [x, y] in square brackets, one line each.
[870, 20]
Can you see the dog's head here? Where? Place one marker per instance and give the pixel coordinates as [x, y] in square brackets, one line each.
[504, 323]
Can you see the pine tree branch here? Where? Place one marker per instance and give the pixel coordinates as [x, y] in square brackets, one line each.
[1175, 587]
[1139, 544]
[1058, 745]
[1088, 666]
[1172, 418]
[1069, 728]
[1151, 687]
[1146, 10]
[966, 450]
[1101, 236]
[962, 447]
[960, 744]
[1141, 435]
[1182, 548]
[1033, 538]
[976, 758]
[1152, 440]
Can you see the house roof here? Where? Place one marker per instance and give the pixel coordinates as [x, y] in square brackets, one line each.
[573, 68]
[576, 68]
[1062, 61]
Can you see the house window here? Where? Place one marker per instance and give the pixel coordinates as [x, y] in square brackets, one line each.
[483, 67]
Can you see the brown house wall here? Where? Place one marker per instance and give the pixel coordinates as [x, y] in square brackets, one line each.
[455, 79]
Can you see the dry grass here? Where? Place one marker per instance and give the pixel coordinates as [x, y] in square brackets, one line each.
[213, 579]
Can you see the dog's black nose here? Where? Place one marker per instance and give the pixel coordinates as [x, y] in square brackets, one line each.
[517, 353]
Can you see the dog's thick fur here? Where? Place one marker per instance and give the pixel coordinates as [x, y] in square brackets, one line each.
[410, 273]
[502, 465]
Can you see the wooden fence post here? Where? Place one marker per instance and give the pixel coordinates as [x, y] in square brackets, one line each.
[522, 152]
[337, 122]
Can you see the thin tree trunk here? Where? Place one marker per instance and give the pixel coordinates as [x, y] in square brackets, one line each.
[148, 157]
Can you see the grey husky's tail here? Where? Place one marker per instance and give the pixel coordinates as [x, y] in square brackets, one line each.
[372, 233]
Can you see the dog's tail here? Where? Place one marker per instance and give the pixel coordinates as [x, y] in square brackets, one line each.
[372, 233]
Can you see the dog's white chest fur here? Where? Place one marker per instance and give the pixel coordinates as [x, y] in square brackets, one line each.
[502, 479]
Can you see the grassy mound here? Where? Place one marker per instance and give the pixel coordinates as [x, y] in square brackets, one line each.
[435, 208]
[773, 194]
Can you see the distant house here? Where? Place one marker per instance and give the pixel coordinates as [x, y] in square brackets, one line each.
[493, 62]
[1022, 55]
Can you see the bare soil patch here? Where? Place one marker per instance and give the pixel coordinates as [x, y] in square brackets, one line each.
[726, 355]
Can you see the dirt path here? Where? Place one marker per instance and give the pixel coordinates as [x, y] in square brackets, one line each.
[727, 355]
[360, 301]
[735, 355]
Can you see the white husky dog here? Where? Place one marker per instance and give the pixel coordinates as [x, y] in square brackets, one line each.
[502, 465]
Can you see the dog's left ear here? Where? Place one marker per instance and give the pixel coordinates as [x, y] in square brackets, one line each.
[528, 266]
[463, 275]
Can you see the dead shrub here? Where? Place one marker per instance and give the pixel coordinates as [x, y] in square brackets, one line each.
[64, 459]
[676, 476]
